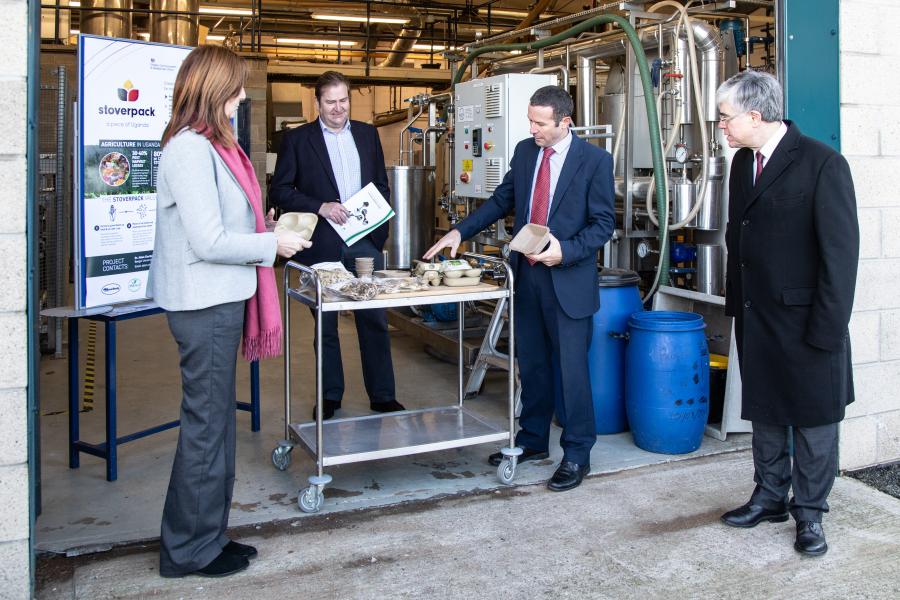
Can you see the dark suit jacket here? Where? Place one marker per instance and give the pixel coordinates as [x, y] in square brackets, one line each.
[582, 217]
[304, 180]
[793, 248]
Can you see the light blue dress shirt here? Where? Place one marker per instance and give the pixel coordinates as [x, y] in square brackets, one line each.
[344, 159]
[560, 149]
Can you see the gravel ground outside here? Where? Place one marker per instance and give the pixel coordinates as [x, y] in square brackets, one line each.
[884, 478]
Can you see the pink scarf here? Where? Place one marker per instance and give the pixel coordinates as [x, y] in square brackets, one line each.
[262, 315]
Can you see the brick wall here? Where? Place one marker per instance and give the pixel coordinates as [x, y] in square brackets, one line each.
[870, 139]
[15, 574]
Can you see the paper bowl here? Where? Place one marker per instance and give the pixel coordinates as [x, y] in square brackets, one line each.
[302, 224]
[531, 239]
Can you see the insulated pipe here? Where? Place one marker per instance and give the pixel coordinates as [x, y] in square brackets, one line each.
[404, 43]
[587, 87]
[652, 116]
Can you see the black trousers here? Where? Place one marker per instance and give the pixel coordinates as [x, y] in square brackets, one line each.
[198, 499]
[810, 474]
[373, 336]
[545, 337]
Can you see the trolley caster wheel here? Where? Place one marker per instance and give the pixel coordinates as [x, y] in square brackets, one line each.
[310, 499]
[281, 457]
[506, 471]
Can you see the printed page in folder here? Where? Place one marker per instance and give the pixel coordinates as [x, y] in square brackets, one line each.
[368, 210]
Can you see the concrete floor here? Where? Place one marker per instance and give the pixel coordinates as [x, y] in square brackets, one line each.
[82, 512]
[651, 532]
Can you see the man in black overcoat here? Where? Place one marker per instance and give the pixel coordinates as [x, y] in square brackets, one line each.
[793, 248]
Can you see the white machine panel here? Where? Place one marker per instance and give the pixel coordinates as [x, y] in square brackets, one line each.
[491, 118]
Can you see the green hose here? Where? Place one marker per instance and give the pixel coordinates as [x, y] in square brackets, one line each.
[652, 118]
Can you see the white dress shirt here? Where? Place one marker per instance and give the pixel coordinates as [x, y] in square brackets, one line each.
[768, 148]
[560, 149]
[344, 159]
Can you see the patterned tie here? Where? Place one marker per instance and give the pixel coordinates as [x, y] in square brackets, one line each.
[540, 200]
[759, 166]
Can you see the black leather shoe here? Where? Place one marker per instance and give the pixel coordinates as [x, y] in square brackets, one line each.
[527, 454]
[810, 539]
[751, 515]
[248, 552]
[328, 408]
[567, 476]
[384, 407]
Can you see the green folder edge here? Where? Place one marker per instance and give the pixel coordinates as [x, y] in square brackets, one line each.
[355, 238]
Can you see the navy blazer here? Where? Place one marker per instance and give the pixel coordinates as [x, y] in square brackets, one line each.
[304, 180]
[582, 217]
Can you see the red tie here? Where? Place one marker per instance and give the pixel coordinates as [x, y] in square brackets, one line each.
[759, 166]
[540, 200]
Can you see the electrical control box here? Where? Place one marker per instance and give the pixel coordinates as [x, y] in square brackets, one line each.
[491, 118]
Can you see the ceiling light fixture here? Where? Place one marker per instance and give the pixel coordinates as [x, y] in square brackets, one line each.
[361, 19]
[311, 42]
[215, 38]
[429, 47]
[500, 12]
[226, 11]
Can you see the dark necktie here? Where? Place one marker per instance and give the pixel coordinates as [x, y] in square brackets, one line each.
[759, 166]
[540, 200]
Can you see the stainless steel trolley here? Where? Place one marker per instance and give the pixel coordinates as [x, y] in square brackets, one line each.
[358, 439]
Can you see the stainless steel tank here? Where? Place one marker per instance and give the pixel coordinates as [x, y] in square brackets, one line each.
[109, 23]
[179, 29]
[412, 229]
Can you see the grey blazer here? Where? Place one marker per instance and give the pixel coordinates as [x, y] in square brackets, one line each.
[206, 249]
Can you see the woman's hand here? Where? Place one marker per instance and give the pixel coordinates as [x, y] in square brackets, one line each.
[290, 243]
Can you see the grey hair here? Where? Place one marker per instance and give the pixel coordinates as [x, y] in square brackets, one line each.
[556, 98]
[754, 90]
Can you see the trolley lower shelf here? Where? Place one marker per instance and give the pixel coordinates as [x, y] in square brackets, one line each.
[402, 433]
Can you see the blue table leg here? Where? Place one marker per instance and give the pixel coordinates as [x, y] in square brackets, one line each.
[74, 393]
[254, 395]
[111, 456]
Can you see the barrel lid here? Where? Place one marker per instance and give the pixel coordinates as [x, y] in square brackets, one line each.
[612, 277]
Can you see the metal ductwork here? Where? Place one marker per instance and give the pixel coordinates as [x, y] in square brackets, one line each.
[178, 29]
[404, 42]
[109, 23]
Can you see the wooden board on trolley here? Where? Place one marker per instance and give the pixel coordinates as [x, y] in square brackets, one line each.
[440, 290]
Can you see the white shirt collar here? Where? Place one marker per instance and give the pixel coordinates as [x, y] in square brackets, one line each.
[562, 146]
[769, 147]
[325, 129]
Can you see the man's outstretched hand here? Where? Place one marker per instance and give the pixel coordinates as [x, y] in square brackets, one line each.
[452, 240]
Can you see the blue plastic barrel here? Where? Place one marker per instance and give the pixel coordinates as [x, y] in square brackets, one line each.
[667, 381]
[619, 298]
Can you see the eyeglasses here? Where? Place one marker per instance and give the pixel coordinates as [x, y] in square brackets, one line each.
[726, 119]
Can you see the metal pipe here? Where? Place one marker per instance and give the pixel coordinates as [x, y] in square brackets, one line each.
[557, 68]
[406, 128]
[587, 85]
[404, 42]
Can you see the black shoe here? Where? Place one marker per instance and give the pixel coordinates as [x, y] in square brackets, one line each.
[751, 515]
[328, 408]
[527, 454]
[389, 406]
[248, 552]
[223, 565]
[567, 476]
[810, 539]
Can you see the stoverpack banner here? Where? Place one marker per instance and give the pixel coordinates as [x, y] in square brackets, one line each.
[125, 102]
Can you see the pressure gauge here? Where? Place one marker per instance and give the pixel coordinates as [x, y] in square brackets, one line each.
[681, 153]
[643, 249]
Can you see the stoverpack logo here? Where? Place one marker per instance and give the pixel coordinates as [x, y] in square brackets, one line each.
[128, 93]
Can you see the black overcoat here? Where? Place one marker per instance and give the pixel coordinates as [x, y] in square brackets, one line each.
[793, 248]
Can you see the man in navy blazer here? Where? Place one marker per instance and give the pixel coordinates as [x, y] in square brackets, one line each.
[320, 165]
[559, 180]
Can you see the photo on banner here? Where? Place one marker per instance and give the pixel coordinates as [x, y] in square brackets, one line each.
[125, 92]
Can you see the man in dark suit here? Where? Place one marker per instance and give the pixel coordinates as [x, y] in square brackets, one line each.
[793, 247]
[320, 165]
[556, 179]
